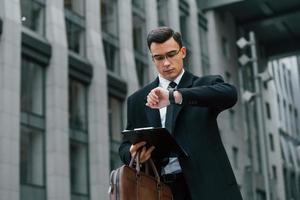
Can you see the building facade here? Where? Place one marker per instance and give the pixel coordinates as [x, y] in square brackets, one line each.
[282, 127]
[66, 68]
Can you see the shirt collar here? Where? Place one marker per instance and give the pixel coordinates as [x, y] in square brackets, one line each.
[164, 83]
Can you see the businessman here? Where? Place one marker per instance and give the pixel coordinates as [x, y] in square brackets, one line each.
[188, 107]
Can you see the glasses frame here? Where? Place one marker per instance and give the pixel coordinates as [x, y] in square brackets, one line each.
[168, 55]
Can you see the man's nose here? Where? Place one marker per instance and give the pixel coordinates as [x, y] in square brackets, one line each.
[166, 61]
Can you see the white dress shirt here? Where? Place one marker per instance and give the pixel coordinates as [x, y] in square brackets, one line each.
[173, 166]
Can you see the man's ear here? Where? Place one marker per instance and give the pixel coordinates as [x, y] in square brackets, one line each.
[183, 51]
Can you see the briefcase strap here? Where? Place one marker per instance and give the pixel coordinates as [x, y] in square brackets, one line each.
[150, 162]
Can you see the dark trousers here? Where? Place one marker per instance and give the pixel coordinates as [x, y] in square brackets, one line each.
[178, 186]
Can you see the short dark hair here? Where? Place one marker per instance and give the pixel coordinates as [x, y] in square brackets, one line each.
[162, 34]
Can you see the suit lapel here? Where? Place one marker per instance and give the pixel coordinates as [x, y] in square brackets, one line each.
[153, 115]
[185, 82]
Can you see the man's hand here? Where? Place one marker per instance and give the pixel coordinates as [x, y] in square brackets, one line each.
[158, 98]
[145, 153]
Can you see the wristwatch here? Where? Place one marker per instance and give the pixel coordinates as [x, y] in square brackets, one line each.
[171, 96]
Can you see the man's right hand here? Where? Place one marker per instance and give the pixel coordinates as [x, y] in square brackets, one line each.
[145, 153]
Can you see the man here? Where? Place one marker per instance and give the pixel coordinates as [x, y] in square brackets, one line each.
[194, 105]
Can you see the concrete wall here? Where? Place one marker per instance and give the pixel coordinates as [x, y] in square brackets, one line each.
[10, 51]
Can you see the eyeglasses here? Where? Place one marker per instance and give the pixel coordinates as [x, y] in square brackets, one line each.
[168, 55]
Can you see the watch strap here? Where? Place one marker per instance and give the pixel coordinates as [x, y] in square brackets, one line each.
[171, 96]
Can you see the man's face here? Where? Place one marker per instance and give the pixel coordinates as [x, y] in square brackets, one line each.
[168, 58]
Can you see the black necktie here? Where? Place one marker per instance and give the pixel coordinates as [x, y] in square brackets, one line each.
[170, 110]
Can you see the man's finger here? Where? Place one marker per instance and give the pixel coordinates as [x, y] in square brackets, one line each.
[139, 145]
[149, 151]
[155, 93]
[152, 99]
[142, 155]
[147, 154]
[135, 147]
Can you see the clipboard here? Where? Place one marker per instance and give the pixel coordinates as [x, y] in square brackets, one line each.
[165, 144]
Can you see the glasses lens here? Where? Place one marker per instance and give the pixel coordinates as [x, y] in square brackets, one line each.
[172, 53]
[159, 57]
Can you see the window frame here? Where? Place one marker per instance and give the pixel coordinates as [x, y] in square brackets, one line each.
[73, 19]
[42, 5]
[34, 123]
[80, 136]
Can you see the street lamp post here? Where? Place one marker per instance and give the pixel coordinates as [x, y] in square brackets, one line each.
[244, 59]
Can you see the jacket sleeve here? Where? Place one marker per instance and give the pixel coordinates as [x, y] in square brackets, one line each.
[211, 92]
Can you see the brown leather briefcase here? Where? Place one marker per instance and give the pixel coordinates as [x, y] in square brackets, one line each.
[128, 183]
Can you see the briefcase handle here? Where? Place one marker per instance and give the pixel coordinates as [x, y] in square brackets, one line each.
[150, 162]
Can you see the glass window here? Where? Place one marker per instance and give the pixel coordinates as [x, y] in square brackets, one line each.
[284, 149]
[284, 68]
[77, 105]
[184, 17]
[142, 72]
[109, 17]
[75, 25]
[32, 164]
[235, 154]
[140, 45]
[204, 50]
[76, 6]
[33, 15]
[115, 128]
[286, 183]
[78, 140]
[232, 118]
[293, 184]
[32, 138]
[109, 23]
[279, 107]
[75, 37]
[184, 29]
[296, 121]
[140, 4]
[271, 140]
[285, 113]
[79, 169]
[112, 57]
[297, 151]
[139, 35]
[225, 47]
[274, 172]
[268, 110]
[290, 83]
[292, 153]
[261, 195]
[162, 9]
[32, 88]
[280, 75]
[291, 117]
[228, 77]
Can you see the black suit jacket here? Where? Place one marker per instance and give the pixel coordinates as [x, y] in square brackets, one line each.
[207, 169]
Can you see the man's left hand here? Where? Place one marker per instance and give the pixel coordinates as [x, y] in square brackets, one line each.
[158, 98]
